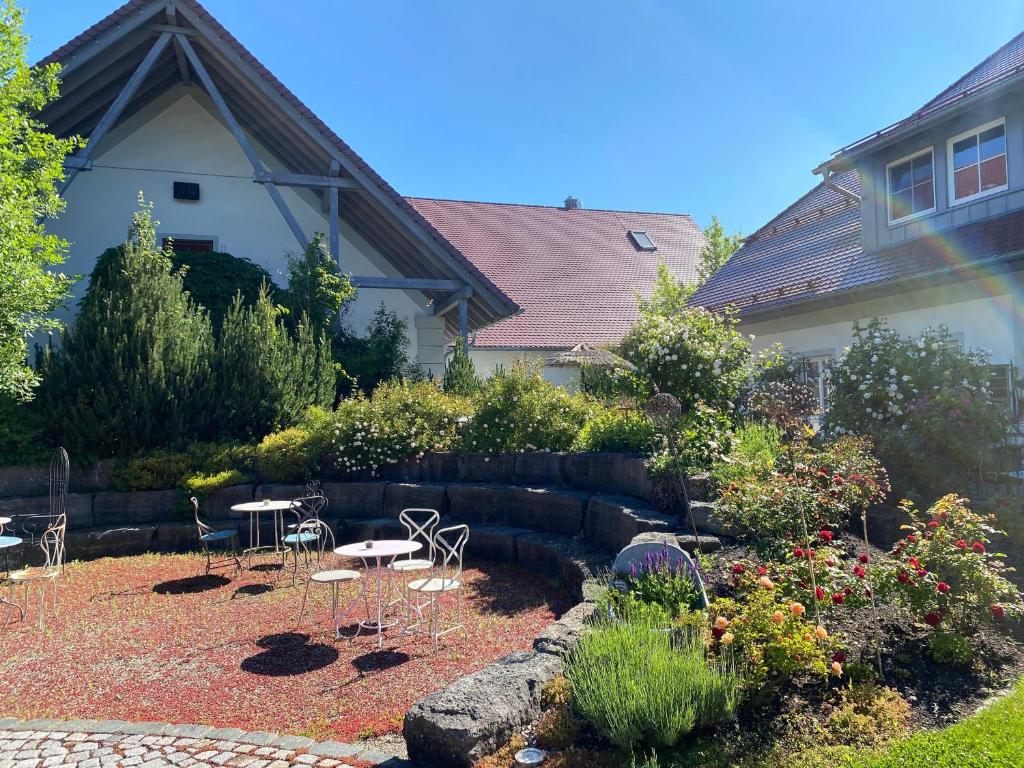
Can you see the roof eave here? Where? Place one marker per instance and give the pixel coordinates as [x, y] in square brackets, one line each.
[844, 159]
[875, 290]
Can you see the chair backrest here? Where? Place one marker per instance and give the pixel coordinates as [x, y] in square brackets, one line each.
[52, 543]
[449, 544]
[310, 505]
[324, 540]
[202, 527]
[420, 524]
[60, 475]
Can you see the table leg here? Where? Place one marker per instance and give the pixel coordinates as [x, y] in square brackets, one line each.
[380, 609]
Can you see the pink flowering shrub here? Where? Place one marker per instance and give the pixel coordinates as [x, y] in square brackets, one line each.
[926, 403]
[944, 571]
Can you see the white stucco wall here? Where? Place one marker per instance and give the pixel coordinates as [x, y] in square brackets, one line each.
[488, 360]
[180, 138]
[983, 314]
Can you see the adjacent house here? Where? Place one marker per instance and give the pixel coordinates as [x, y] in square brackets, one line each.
[173, 105]
[922, 222]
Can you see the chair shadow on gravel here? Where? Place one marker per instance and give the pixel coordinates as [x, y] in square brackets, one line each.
[252, 590]
[191, 585]
[498, 591]
[287, 654]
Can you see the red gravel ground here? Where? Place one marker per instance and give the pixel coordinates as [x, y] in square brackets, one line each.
[145, 638]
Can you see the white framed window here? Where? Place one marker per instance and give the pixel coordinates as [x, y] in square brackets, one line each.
[977, 162]
[910, 182]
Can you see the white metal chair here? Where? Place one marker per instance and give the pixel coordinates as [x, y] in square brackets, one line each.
[445, 578]
[52, 544]
[209, 535]
[325, 570]
[420, 525]
[306, 508]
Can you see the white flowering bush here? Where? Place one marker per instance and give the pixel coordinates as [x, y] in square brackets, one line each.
[924, 401]
[517, 410]
[693, 354]
[400, 420]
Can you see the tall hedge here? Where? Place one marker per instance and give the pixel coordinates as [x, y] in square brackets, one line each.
[133, 370]
[264, 377]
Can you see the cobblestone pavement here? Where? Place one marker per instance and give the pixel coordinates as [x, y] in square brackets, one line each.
[112, 743]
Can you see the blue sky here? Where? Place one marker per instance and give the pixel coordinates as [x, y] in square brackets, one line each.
[663, 105]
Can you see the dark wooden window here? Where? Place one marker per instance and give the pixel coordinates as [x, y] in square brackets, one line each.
[182, 245]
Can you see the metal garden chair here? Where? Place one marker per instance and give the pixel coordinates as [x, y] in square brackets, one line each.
[325, 570]
[209, 535]
[302, 539]
[445, 578]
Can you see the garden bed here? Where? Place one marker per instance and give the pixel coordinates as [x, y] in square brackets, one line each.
[145, 638]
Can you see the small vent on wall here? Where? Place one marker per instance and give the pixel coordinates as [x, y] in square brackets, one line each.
[186, 190]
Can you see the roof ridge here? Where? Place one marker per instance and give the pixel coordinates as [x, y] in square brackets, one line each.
[552, 207]
[935, 99]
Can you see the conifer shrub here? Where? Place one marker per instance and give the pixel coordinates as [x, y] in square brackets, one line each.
[133, 370]
[459, 373]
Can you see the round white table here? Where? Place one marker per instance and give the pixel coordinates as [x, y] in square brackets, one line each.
[378, 551]
[7, 543]
[254, 508]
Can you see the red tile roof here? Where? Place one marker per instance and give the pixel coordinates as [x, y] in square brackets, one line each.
[575, 272]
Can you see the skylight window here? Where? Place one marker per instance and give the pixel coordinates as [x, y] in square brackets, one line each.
[641, 240]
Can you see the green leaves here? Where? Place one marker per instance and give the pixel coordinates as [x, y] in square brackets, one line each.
[31, 163]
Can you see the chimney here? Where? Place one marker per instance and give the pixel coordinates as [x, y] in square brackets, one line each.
[572, 203]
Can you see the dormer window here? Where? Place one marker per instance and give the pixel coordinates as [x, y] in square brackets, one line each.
[911, 185]
[978, 162]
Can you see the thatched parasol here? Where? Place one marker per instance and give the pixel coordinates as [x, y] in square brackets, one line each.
[586, 356]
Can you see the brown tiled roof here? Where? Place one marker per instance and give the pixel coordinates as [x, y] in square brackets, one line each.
[574, 272]
[133, 6]
[812, 251]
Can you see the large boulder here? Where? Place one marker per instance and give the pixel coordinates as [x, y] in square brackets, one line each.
[478, 468]
[442, 467]
[545, 509]
[78, 507]
[614, 473]
[399, 496]
[562, 636]
[354, 500]
[136, 507]
[217, 504]
[613, 521]
[539, 468]
[496, 543]
[703, 516]
[479, 712]
[478, 503]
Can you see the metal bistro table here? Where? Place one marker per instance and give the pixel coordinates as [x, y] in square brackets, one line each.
[7, 543]
[254, 508]
[378, 551]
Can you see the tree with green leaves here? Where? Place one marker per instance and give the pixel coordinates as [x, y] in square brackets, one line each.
[718, 249]
[31, 164]
[381, 354]
[133, 370]
[668, 295]
[316, 288]
[459, 373]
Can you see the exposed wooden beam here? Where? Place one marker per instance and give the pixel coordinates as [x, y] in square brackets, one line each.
[447, 303]
[382, 199]
[111, 115]
[305, 180]
[172, 23]
[243, 140]
[464, 320]
[334, 213]
[124, 27]
[407, 283]
[172, 28]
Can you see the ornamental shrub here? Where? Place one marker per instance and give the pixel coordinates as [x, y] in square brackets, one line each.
[638, 686]
[826, 485]
[288, 456]
[924, 401]
[946, 574]
[616, 430]
[317, 291]
[756, 448]
[379, 355]
[762, 631]
[780, 392]
[401, 420]
[196, 463]
[133, 370]
[213, 280]
[264, 378]
[518, 410]
[694, 354]
[660, 580]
